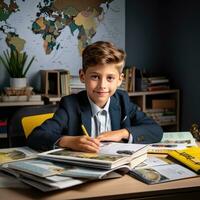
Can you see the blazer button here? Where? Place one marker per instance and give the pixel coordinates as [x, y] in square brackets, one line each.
[140, 138]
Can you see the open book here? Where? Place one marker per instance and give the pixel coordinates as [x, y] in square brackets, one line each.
[158, 170]
[111, 155]
[18, 153]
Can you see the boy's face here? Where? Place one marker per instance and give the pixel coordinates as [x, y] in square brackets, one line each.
[101, 82]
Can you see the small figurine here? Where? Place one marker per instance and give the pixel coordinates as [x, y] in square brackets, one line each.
[195, 131]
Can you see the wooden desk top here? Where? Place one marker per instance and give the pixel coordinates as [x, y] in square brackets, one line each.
[120, 188]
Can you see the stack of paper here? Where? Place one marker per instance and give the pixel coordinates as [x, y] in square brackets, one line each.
[61, 168]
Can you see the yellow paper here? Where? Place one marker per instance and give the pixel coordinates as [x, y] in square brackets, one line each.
[189, 156]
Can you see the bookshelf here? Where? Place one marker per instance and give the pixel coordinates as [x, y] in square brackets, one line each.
[163, 106]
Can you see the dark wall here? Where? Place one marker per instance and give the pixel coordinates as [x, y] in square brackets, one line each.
[142, 34]
[164, 37]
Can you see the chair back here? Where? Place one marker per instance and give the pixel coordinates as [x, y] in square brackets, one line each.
[31, 122]
[19, 127]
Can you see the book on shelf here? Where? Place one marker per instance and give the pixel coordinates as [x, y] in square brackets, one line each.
[76, 85]
[156, 170]
[158, 87]
[158, 80]
[64, 82]
[3, 126]
[129, 78]
[158, 83]
[190, 157]
[111, 155]
[163, 103]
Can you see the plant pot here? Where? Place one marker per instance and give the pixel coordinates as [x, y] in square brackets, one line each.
[18, 82]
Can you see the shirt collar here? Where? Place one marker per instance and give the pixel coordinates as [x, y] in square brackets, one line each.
[96, 109]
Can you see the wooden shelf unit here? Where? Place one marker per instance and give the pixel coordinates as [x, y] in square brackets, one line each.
[144, 101]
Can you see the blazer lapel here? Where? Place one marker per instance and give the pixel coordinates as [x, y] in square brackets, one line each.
[115, 114]
[86, 114]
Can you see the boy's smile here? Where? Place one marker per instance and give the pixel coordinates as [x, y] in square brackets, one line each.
[101, 82]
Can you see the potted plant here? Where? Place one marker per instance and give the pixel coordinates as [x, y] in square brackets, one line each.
[15, 64]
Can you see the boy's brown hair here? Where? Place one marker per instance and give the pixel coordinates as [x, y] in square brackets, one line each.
[102, 53]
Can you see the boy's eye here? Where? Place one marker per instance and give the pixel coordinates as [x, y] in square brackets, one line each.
[94, 77]
[110, 78]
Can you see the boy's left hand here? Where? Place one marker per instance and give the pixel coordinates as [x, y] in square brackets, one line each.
[114, 136]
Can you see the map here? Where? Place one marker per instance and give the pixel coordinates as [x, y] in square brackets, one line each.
[57, 31]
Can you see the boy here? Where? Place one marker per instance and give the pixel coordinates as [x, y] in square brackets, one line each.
[105, 112]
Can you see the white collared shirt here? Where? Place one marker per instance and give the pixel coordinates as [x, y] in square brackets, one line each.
[100, 120]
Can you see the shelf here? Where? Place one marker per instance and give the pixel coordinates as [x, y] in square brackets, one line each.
[3, 135]
[146, 101]
[21, 103]
[168, 124]
[153, 93]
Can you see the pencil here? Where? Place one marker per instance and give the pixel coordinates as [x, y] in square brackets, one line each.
[84, 130]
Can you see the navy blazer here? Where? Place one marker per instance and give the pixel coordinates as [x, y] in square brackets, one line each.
[75, 110]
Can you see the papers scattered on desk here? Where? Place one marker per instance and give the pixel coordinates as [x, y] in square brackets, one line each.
[11, 182]
[44, 184]
[156, 170]
[48, 176]
[61, 168]
[173, 141]
[44, 168]
[18, 153]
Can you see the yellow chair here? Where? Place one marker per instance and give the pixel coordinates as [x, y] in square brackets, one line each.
[24, 120]
[30, 122]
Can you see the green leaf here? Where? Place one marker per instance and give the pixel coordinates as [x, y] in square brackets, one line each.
[15, 63]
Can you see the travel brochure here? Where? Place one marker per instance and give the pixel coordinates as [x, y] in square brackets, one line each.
[159, 170]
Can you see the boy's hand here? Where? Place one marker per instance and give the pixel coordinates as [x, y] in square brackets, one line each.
[80, 143]
[114, 136]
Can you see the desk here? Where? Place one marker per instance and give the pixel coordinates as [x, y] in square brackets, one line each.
[120, 188]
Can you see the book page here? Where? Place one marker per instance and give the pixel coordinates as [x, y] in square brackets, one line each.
[116, 148]
[157, 170]
[185, 138]
[13, 154]
[163, 173]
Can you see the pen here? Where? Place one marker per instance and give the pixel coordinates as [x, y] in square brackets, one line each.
[84, 130]
[164, 145]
